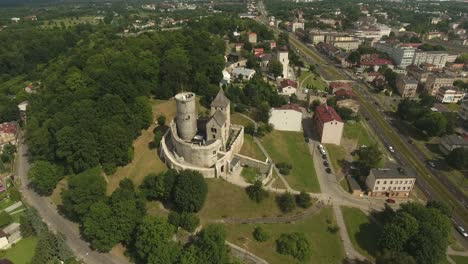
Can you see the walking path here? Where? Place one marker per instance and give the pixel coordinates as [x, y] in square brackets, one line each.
[351, 253]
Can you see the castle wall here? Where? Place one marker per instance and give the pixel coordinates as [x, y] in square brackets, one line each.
[236, 145]
[203, 156]
[186, 116]
[173, 163]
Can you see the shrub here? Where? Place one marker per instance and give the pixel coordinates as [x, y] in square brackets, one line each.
[161, 120]
[189, 191]
[295, 244]
[256, 192]
[284, 168]
[5, 219]
[189, 221]
[174, 219]
[303, 200]
[286, 202]
[260, 234]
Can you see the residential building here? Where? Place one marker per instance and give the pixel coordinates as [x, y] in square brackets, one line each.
[336, 86]
[451, 142]
[297, 25]
[287, 87]
[252, 37]
[317, 37]
[15, 19]
[463, 113]
[243, 73]
[329, 21]
[370, 76]
[437, 80]
[436, 58]
[406, 86]
[400, 54]
[433, 35]
[8, 133]
[347, 45]
[449, 94]
[419, 74]
[391, 182]
[283, 56]
[328, 125]
[286, 118]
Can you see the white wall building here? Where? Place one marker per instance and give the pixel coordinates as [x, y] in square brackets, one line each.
[283, 57]
[243, 73]
[286, 118]
[449, 94]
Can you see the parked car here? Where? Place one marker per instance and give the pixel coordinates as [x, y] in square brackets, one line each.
[325, 163]
[431, 163]
[328, 170]
[411, 142]
[462, 231]
[390, 148]
[324, 156]
[389, 200]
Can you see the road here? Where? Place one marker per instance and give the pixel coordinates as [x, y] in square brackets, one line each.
[54, 220]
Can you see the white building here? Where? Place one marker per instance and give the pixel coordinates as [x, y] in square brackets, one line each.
[436, 58]
[243, 73]
[449, 94]
[226, 78]
[391, 182]
[15, 19]
[286, 118]
[283, 57]
[287, 87]
[401, 55]
[297, 25]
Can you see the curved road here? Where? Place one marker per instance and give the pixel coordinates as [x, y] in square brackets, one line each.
[55, 221]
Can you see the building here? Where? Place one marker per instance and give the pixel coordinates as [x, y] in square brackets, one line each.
[370, 76]
[252, 37]
[15, 19]
[297, 25]
[433, 35]
[436, 58]
[347, 45]
[400, 54]
[209, 145]
[419, 74]
[317, 37]
[287, 87]
[336, 86]
[283, 56]
[406, 86]
[8, 134]
[391, 182]
[328, 125]
[451, 142]
[242, 73]
[463, 113]
[286, 118]
[437, 80]
[449, 94]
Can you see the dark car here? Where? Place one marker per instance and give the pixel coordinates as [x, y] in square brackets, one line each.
[328, 170]
[390, 200]
[411, 142]
[324, 157]
[325, 163]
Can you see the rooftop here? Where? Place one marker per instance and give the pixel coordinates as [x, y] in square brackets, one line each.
[394, 172]
[455, 140]
[327, 114]
[8, 128]
[288, 82]
[220, 100]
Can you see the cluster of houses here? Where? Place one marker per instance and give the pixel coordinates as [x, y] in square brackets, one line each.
[8, 134]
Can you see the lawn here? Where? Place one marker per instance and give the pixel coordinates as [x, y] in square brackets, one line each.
[459, 259]
[250, 174]
[146, 159]
[335, 155]
[309, 79]
[325, 246]
[238, 119]
[362, 231]
[357, 132]
[251, 149]
[23, 251]
[453, 107]
[290, 147]
[227, 200]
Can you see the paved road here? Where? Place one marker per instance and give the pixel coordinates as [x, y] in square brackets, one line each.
[54, 220]
[350, 252]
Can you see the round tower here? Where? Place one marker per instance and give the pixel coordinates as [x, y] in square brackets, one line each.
[186, 117]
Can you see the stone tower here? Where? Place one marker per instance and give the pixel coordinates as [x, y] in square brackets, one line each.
[222, 103]
[186, 117]
[283, 57]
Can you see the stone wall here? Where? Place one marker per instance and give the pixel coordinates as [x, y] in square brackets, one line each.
[266, 168]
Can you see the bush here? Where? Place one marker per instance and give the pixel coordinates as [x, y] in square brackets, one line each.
[189, 191]
[295, 244]
[158, 135]
[174, 219]
[189, 221]
[284, 168]
[303, 200]
[260, 234]
[5, 219]
[256, 192]
[161, 120]
[286, 202]
[250, 129]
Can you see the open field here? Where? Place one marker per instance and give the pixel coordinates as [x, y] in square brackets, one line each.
[459, 259]
[146, 159]
[358, 132]
[70, 21]
[291, 148]
[311, 79]
[227, 200]
[251, 149]
[335, 155]
[325, 246]
[362, 231]
[23, 251]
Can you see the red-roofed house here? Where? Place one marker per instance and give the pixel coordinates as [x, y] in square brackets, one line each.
[344, 94]
[335, 86]
[8, 133]
[258, 52]
[287, 87]
[328, 125]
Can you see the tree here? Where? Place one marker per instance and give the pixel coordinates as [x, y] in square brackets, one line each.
[463, 58]
[458, 158]
[5, 219]
[256, 192]
[44, 176]
[315, 104]
[286, 202]
[161, 120]
[263, 112]
[159, 187]
[188, 221]
[84, 190]
[303, 200]
[388, 257]
[52, 248]
[153, 242]
[284, 168]
[345, 113]
[158, 135]
[275, 68]
[260, 234]
[295, 244]
[100, 228]
[441, 206]
[293, 99]
[26, 228]
[369, 157]
[211, 246]
[190, 191]
[433, 123]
